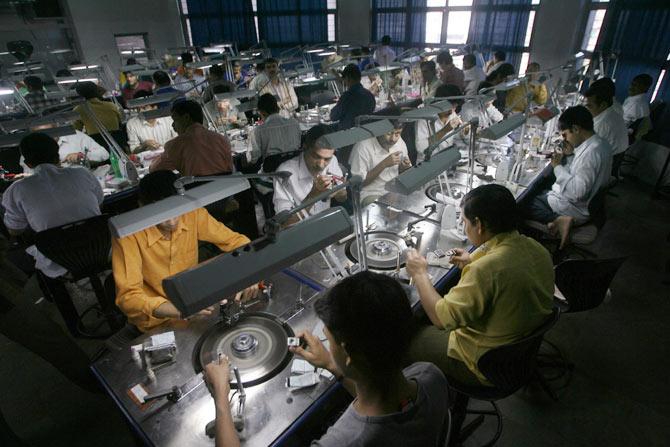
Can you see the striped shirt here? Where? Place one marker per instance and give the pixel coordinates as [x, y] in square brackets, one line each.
[140, 130]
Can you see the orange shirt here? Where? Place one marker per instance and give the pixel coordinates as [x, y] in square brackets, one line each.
[142, 260]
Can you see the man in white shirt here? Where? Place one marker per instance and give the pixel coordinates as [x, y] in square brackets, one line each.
[276, 136]
[384, 55]
[577, 183]
[498, 59]
[260, 79]
[279, 87]
[636, 106]
[444, 124]
[151, 134]
[473, 74]
[51, 197]
[378, 161]
[607, 123]
[430, 81]
[313, 172]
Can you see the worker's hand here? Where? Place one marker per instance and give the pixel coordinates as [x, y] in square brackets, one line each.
[405, 163]
[460, 258]
[206, 312]
[556, 158]
[321, 183]
[455, 120]
[74, 157]
[393, 159]
[247, 294]
[217, 377]
[151, 145]
[316, 353]
[415, 264]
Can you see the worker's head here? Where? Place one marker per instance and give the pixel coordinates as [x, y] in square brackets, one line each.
[33, 83]
[38, 148]
[351, 75]
[488, 210]
[216, 72]
[606, 85]
[144, 94]
[447, 91]
[500, 74]
[640, 84]
[444, 59]
[157, 186]
[368, 323]
[469, 61]
[533, 67]
[598, 98]
[237, 69]
[499, 56]
[389, 139]
[260, 67]
[185, 114]
[271, 67]
[161, 79]
[88, 90]
[386, 40]
[267, 105]
[317, 152]
[576, 125]
[428, 71]
[131, 78]
[186, 58]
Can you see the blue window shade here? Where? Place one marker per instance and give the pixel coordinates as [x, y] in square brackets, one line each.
[403, 20]
[286, 23]
[214, 21]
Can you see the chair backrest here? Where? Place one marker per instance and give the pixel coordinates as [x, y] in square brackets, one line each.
[584, 282]
[511, 366]
[597, 208]
[81, 247]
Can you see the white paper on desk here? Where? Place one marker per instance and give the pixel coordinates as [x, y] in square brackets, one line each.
[438, 262]
[164, 339]
[302, 381]
[300, 366]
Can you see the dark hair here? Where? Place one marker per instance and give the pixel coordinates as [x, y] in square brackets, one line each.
[365, 50]
[395, 111]
[142, 94]
[190, 108]
[494, 206]
[161, 78]
[386, 40]
[216, 70]
[131, 61]
[369, 313]
[446, 90]
[601, 93]
[186, 58]
[313, 140]
[33, 82]
[605, 85]
[644, 80]
[503, 71]
[444, 57]
[271, 60]
[267, 103]
[500, 55]
[260, 66]
[87, 89]
[576, 116]
[470, 58]
[428, 64]
[351, 71]
[38, 148]
[157, 186]
[63, 72]
[484, 85]
[222, 88]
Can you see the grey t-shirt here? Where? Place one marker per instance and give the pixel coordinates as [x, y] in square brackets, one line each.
[422, 423]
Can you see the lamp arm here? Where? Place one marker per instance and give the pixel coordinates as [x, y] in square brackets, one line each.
[190, 179]
[428, 152]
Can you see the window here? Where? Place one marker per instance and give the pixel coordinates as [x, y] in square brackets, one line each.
[132, 45]
[433, 27]
[458, 27]
[525, 57]
[593, 26]
[660, 81]
[529, 29]
[331, 27]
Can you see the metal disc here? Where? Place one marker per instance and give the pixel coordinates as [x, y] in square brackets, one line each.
[382, 248]
[457, 191]
[256, 345]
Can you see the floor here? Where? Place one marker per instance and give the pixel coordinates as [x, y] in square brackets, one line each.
[617, 396]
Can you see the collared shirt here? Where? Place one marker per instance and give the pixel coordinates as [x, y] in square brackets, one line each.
[276, 135]
[422, 135]
[292, 191]
[367, 154]
[428, 90]
[472, 78]
[141, 261]
[504, 294]
[452, 75]
[288, 100]
[184, 84]
[140, 130]
[106, 111]
[635, 108]
[51, 197]
[356, 101]
[38, 100]
[384, 55]
[258, 81]
[516, 97]
[610, 126]
[197, 151]
[487, 117]
[494, 67]
[128, 92]
[577, 183]
[73, 144]
[224, 113]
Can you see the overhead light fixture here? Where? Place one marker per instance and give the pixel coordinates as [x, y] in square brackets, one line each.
[61, 50]
[504, 127]
[74, 80]
[315, 50]
[351, 136]
[160, 112]
[327, 53]
[28, 123]
[4, 53]
[201, 64]
[15, 138]
[202, 286]
[579, 54]
[151, 100]
[82, 67]
[6, 91]
[429, 111]
[237, 94]
[415, 177]
[61, 94]
[133, 67]
[19, 63]
[213, 50]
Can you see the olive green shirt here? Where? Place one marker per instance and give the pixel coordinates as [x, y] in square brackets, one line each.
[503, 295]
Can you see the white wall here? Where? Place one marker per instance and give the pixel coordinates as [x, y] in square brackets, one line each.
[353, 21]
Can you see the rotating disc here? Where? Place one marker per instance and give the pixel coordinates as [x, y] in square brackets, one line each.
[382, 249]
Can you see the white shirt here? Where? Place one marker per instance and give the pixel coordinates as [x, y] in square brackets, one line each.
[73, 144]
[616, 105]
[577, 183]
[367, 154]
[275, 136]
[634, 108]
[473, 77]
[291, 192]
[494, 67]
[288, 100]
[384, 55]
[139, 130]
[490, 115]
[259, 81]
[610, 126]
[428, 90]
[422, 135]
[182, 83]
[51, 197]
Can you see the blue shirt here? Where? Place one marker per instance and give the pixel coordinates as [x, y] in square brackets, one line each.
[354, 102]
[162, 90]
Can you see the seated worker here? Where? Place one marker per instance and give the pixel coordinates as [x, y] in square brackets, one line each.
[367, 319]
[487, 113]
[429, 80]
[224, 113]
[107, 112]
[276, 138]
[134, 85]
[313, 172]
[379, 160]
[260, 79]
[196, 150]
[356, 101]
[607, 85]
[216, 77]
[517, 100]
[495, 63]
[279, 87]
[188, 79]
[473, 75]
[162, 83]
[505, 291]
[372, 82]
[384, 54]
[445, 123]
[51, 197]
[607, 123]
[239, 77]
[636, 106]
[142, 260]
[36, 96]
[148, 135]
[577, 182]
[449, 73]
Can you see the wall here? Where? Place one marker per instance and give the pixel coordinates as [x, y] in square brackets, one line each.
[353, 21]
[96, 22]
